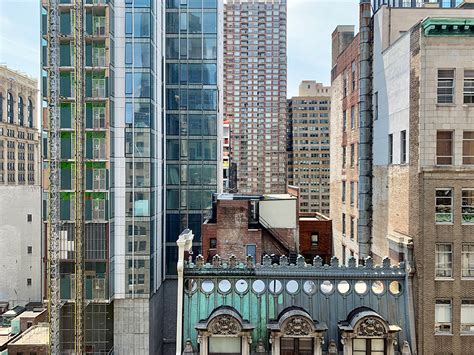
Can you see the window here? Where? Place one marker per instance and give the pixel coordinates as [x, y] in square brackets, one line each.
[344, 120]
[9, 108]
[376, 105]
[28, 282]
[343, 192]
[363, 346]
[468, 147]
[212, 243]
[29, 217]
[352, 193]
[352, 155]
[98, 117]
[314, 239]
[296, 345]
[352, 117]
[467, 316]
[225, 345]
[344, 154]
[445, 86]
[403, 147]
[467, 206]
[443, 316]
[343, 225]
[251, 250]
[30, 249]
[353, 75]
[469, 86]
[29, 324]
[390, 148]
[467, 260]
[444, 206]
[98, 210]
[444, 260]
[353, 227]
[444, 147]
[344, 84]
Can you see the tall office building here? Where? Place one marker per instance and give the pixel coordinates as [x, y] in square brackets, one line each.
[20, 193]
[255, 70]
[193, 130]
[308, 145]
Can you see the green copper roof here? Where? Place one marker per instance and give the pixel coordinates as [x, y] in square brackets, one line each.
[448, 26]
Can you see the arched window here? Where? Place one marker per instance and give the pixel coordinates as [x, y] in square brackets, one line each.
[30, 113]
[21, 118]
[10, 108]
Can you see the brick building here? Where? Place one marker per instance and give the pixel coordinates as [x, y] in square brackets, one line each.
[253, 225]
[34, 340]
[315, 236]
[344, 129]
[308, 145]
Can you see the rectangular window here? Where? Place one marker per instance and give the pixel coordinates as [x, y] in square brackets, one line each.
[30, 249]
[467, 206]
[467, 316]
[344, 120]
[444, 147]
[468, 148]
[353, 227]
[352, 155]
[467, 260]
[99, 179]
[344, 157]
[352, 117]
[444, 260]
[443, 316]
[390, 148]
[251, 250]
[353, 75]
[444, 206]
[403, 147]
[314, 239]
[29, 217]
[445, 86]
[343, 192]
[469, 86]
[343, 225]
[352, 193]
[98, 210]
[28, 282]
[212, 243]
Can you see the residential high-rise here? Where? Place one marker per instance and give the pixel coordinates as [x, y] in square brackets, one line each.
[193, 117]
[255, 70]
[20, 193]
[423, 149]
[344, 128]
[416, 3]
[308, 145]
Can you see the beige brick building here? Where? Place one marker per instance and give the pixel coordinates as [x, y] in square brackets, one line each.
[308, 145]
[19, 140]
[423, 172]
[344, 141]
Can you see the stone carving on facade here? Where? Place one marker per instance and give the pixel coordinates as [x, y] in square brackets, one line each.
[406, 348]
[260, 349]
[332, 348]
[371, 327]
[224, 325]
[188, 348]
[297, 326]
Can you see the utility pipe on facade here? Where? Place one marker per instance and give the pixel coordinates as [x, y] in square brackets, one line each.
[364, 224]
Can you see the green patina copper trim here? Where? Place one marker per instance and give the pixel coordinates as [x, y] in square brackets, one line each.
[448, 26]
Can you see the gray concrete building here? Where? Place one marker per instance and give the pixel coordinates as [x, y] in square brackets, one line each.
[20, 193]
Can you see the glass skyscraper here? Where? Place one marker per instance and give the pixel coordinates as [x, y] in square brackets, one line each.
[193, 117]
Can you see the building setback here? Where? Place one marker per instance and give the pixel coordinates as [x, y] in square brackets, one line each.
[344, 127]
[308, 145]
[20, 193]
[255, 71]
[423, 189]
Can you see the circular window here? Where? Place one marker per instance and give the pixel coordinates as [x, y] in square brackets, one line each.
[395, 287]
[327, 287]
[275, 286]
[343, 287]
[292, 286]
[309, 287]
[378, 287]
[190, 285]
[241, 286]
[207, 286]
[258, 286]
[360, 287]
[224, 286]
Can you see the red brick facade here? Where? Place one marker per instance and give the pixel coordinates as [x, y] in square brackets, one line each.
[311, 226]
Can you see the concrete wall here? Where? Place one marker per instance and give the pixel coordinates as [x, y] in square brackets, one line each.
[16, 235]
[131, 326]
[279, 213]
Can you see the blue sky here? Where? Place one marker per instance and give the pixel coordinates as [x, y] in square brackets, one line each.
[310, 24]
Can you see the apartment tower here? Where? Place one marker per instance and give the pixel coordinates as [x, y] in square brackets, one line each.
[308, 145]
[255, 71]
[344, 127]
[20, 192]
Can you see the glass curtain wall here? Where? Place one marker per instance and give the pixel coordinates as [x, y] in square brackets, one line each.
[140, 143]
[191, 118]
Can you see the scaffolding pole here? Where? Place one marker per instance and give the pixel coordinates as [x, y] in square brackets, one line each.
[79, 175]
[54, 223]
